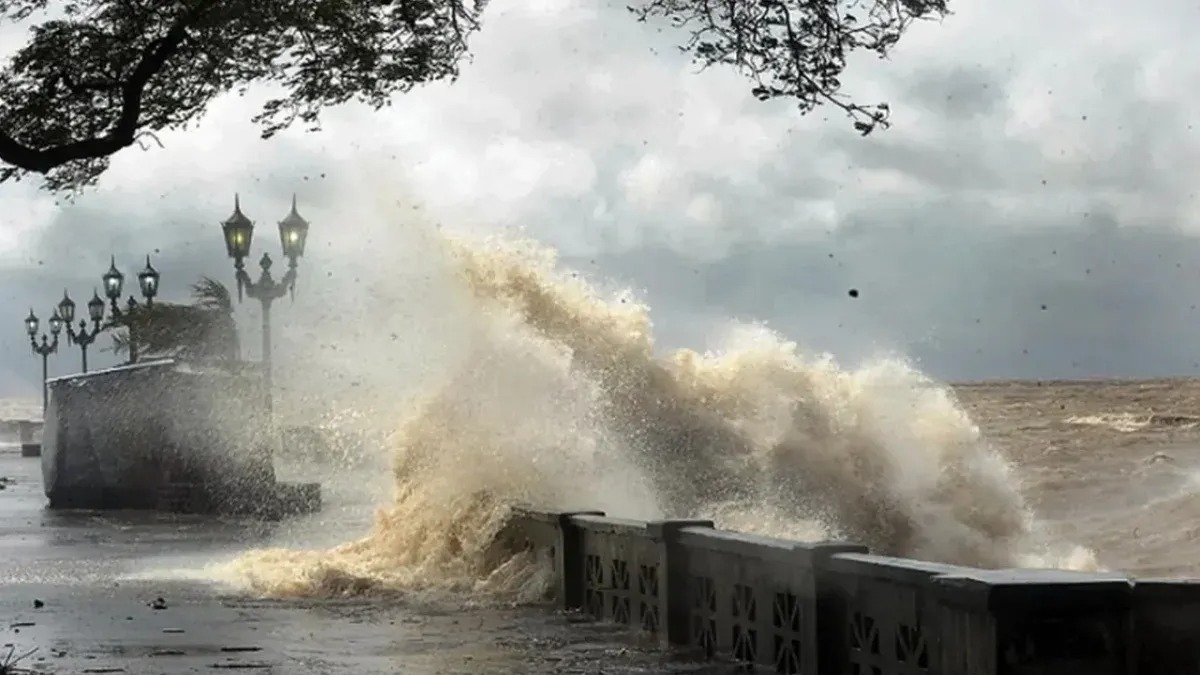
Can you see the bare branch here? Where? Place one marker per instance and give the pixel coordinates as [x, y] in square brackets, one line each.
[795, 49]
[148, 134]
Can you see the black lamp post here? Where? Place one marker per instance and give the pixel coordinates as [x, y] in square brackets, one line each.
[46, 348]
[239, 232]
[82, 337]
[114, 283]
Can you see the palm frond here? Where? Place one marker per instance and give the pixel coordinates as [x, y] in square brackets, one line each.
[204, 329]
[120, 341]
[211, 294]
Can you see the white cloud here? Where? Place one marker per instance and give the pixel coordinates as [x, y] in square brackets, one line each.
[588, 129]
[703, 209]
[652, 182]
[24, 213]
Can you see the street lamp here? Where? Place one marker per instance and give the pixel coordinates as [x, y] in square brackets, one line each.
[46, 348]
[238, 231]
[82, 337]
[114, 283]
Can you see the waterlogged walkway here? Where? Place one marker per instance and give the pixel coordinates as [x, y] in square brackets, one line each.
[95, 593]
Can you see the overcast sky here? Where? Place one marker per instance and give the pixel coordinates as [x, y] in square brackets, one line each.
[1029, 214]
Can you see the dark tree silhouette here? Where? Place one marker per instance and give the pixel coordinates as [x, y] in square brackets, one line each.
[202, 331]
[795, 49]
[97, 76]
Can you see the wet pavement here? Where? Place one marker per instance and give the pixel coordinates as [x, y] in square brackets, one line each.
[102, 592]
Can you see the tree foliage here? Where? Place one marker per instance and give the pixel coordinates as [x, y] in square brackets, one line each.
[795, 49]
[97, 76]
[104, 74]
[204, 330]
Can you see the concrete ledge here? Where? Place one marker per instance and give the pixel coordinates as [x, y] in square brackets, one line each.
[1022, 590]
[830, 608]
[880, 613]
[552, 536]
[148, 426]
[620, 565]
[1166, 615]
[1055, 621]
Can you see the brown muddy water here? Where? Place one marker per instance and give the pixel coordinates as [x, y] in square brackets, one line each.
[1111, 465]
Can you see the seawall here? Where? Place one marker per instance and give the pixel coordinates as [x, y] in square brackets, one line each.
[834, 609]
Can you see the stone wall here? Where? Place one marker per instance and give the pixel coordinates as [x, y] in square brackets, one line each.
[833, 609]
[116, 438]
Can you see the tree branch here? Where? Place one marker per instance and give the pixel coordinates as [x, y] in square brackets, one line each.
[122, 134]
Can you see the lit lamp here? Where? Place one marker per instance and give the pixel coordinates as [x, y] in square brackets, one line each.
[148, 281]
[293, 233]
[238, 231]
[114, 284]
[82, 337]
[46, 348]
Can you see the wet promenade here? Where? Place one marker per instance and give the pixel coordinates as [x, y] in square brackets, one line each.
[118, 593]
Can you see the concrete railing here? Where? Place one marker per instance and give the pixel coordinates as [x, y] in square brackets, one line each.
[832, 609]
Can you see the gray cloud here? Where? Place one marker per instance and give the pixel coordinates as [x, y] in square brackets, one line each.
[958, 93]
[1038, 303]
[1058, 176]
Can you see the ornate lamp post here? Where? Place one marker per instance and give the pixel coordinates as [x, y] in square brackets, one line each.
[82, 337]
[45, 349]
[114, 283]
[239, 231]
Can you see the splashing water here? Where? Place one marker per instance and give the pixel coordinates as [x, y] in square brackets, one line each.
[559, 401]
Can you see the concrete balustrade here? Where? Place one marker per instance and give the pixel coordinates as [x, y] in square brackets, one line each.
[833, 609]
[883, 609]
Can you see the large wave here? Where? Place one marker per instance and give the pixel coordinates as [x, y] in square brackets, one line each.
[558, 399]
